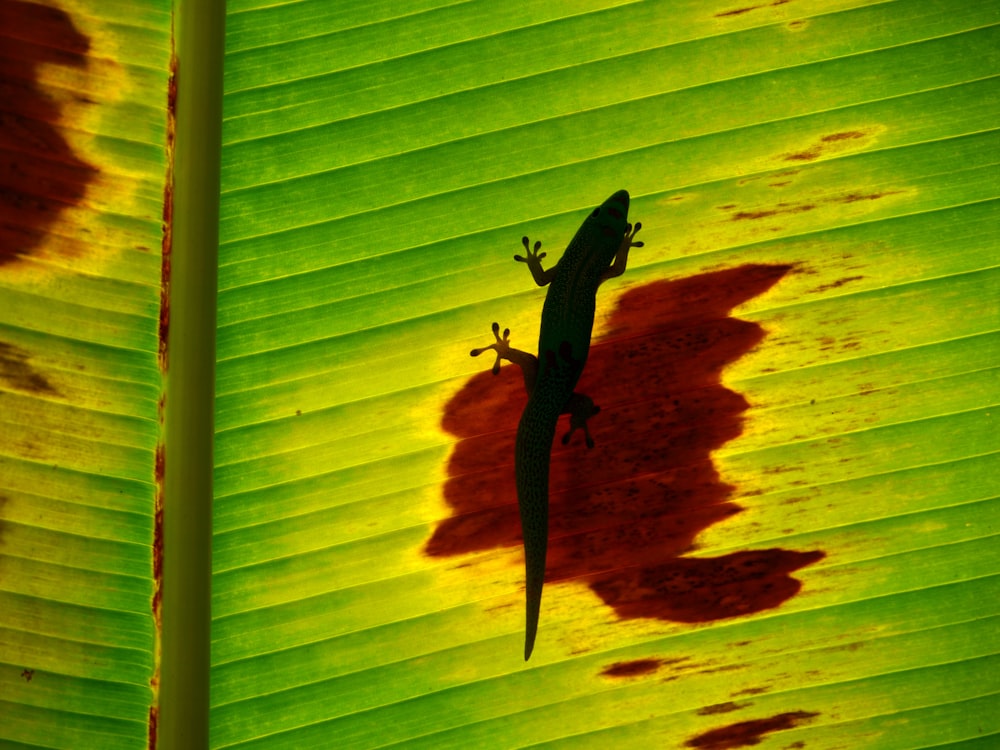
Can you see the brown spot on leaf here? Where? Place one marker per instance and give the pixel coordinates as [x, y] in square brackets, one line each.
[632, 668]
[748, 733]
[750, 9]
[721, 708]
[811, 154]
[785, 208]
[833, 143]
[623, 514]
[834, 284]
[781, 208]
[40, 175]
[16, 371]
[27, 674]
[855, 197]
[847, 135]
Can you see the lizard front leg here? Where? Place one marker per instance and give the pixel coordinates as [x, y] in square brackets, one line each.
[534, 261]
[526, 361]
[621, 257]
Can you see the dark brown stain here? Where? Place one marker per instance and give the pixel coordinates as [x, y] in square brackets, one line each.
[166, 246]
[40, 175]
[27, 674]
[17, 372]
[722, 708]
[623, 514]
[748, 733]
[632, 668]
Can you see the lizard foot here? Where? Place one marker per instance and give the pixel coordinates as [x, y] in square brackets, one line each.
[580, 408]
[630, 233]
[534, 257]
[501, 346]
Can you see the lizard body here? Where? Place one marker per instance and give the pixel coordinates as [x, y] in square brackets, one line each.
[550, 378]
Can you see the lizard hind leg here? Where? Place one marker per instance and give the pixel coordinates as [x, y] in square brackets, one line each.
[580, 408]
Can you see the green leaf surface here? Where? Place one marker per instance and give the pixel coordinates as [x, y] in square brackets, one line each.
[84, 164]
[369, 192]
[786, 534]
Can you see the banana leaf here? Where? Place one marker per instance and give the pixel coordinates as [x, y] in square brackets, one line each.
[255, 493]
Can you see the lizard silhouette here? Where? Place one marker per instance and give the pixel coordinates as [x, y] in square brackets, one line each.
[598, 252]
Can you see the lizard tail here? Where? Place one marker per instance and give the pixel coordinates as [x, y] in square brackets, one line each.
[532, 448]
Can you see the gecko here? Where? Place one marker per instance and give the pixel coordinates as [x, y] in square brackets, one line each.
[598, 252]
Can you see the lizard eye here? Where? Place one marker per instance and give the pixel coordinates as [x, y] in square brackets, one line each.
[596, 211]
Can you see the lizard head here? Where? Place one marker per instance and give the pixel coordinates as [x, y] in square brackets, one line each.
[611, 217]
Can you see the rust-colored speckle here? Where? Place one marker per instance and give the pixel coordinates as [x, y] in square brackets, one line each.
[624, 514]
[154, 717]
[40, 175]
[748, 733]
[168, 218]
[159, 473]
[18, 373]
[632, 668]
[722, 708]
[159, 465]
